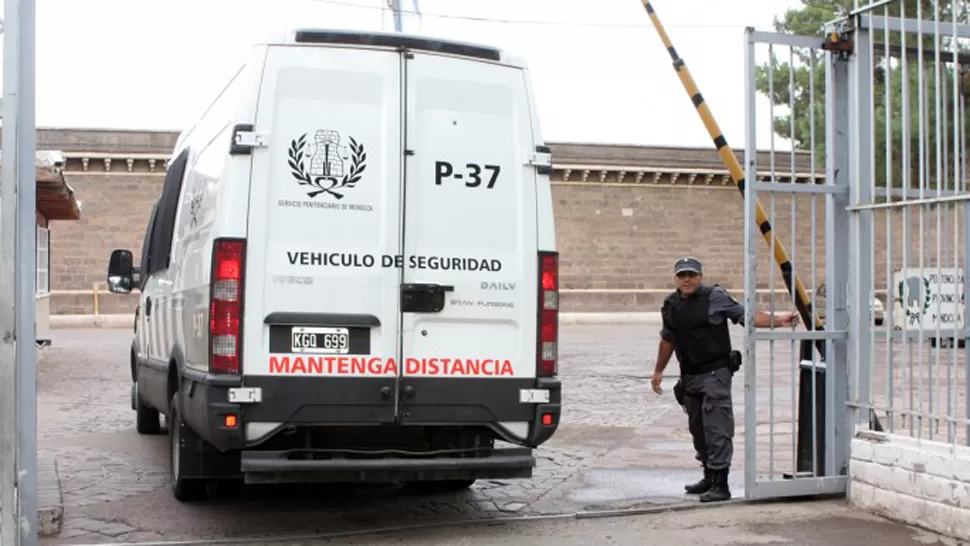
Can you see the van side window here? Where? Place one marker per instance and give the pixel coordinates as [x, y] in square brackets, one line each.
[146, 249]
[165, 218]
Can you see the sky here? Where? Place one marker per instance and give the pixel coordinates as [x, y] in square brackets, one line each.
[599, 69]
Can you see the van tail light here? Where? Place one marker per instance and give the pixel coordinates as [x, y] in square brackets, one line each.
[226, 306]
[548, 342]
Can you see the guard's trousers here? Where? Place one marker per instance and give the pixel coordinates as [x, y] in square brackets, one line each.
[710, 414]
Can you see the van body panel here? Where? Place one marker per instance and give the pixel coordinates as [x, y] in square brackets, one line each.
[323, 221]
[545, 213]
[385, 201]
[470, 227]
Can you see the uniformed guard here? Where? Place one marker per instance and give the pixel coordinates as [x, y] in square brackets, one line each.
[695, 328]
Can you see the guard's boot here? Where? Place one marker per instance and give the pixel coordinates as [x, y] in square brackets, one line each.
[701, 486]
[719, 490]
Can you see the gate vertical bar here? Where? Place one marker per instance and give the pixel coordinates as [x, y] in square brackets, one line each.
[837, 165]
[961, 187]
[890, 350]
[750, 276]
[860, 233]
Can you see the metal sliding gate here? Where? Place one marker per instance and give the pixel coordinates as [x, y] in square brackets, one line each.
[795, 202]
[862, 231]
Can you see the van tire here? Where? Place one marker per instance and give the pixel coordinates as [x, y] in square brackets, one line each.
[181, 438]
[146, 417]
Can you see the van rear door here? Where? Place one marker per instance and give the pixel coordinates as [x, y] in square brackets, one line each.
[469, 296]
[321, 319]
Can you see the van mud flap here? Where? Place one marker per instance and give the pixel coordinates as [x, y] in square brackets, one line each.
[325, 465]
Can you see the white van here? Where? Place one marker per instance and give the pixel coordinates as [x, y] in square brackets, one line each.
[351, 272]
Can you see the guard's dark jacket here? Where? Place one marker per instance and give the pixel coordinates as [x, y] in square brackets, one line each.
[700, 346]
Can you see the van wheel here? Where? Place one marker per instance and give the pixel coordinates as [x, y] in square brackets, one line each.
[146, 417]
[440, 486]
[181, 438]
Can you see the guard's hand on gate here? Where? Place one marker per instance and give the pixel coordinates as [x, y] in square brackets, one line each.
[655, 382]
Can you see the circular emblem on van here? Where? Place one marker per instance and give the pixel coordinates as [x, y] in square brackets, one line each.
[332, 165]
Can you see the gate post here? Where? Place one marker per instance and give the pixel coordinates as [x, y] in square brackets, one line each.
[861, 189]
[838, 170]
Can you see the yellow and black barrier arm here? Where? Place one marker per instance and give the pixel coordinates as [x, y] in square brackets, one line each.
[796, 289]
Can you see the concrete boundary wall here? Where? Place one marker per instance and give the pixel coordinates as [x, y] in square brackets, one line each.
[920, 483]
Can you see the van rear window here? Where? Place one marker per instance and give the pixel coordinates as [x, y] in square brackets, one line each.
[408, 42]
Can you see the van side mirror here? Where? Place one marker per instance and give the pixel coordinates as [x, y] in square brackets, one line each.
[120, 272]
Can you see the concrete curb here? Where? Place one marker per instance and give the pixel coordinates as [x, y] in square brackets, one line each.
[92, 321]
[50, 501]
[609, 318]
[127, 321]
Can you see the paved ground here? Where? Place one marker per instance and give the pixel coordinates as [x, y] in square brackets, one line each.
[810, 524]
[619, 446]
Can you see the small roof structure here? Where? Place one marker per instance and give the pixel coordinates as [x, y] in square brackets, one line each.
[55, 197]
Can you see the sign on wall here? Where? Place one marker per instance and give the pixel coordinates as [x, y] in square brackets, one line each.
[928, 298]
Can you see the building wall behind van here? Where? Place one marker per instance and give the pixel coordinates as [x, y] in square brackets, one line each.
[618, 240]
[116, 175]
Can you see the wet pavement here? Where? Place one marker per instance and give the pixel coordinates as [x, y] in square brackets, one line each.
[819, 523]
[619, 446]
[603, 487]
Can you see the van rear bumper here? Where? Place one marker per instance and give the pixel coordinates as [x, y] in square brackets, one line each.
[308, 465]
[361, 401]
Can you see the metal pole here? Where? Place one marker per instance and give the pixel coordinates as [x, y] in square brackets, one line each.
[8, 407]
[838, 162]
[27, 278]
[396, 8]
[8, 294]
[18, 449]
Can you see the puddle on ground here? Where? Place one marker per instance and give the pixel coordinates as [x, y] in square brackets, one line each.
[656, 485]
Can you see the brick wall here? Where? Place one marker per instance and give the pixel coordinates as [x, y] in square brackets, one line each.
[114, 215]
[623, 237]
[618, 240]
[627, 237]
[116, 198]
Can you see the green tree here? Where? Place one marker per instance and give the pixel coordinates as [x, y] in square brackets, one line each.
[809, 87]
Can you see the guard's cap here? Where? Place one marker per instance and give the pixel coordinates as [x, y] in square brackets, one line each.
[688, 264]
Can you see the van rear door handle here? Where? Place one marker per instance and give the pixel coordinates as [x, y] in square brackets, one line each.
[424, 297]
[427, 287]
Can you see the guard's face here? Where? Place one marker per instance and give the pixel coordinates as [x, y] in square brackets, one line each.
[688, 282]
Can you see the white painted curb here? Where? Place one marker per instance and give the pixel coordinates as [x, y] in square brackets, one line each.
[127, 321]
[609, 318]
[92, 321]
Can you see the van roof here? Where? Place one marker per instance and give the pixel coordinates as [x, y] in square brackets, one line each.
[311, 36]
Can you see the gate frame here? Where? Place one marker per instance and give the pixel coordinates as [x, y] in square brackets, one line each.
[864, 23]
[836, 336]
[850, 207]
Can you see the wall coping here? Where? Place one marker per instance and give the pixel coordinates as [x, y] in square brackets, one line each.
[120, 162]
[145, 151]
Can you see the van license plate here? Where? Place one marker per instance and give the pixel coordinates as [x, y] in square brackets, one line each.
[320, 340]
